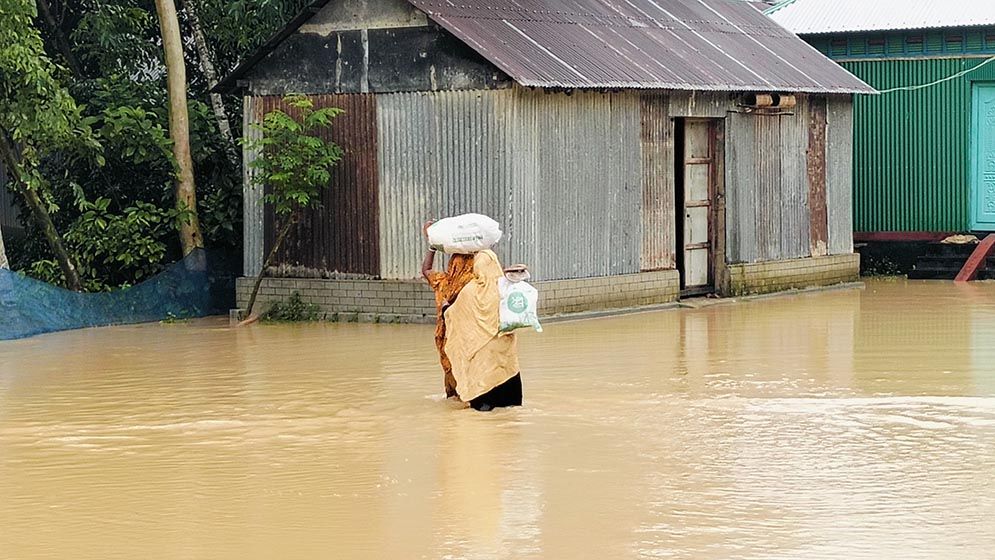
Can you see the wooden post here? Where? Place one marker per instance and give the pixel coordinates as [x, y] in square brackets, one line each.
[977, 260]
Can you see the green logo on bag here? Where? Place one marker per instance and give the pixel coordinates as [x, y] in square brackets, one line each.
[517, 302]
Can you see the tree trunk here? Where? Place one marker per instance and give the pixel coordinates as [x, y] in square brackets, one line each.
[179, 126]
[207, 67]
[40, 213]
[269, 259]
[3, 253]
[60, 38]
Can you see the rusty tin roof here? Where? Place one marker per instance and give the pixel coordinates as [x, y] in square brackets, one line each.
[647, 44]
[710, 45]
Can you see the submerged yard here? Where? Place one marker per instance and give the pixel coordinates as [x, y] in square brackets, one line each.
[851, 423]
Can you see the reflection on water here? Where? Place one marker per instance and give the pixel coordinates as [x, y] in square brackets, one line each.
[856, 424]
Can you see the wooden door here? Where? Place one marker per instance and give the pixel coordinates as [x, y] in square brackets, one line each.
[699, 165]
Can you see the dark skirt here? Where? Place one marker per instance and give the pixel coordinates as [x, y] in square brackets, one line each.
[508, 393]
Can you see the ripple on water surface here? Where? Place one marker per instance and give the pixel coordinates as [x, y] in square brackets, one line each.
[857, 424]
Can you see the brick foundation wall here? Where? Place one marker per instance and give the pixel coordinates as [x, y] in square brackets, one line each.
[608, 292]
[761, 278]
[411, 301]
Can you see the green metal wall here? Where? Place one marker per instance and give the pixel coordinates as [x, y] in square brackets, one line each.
[912, 149]
[952, 42]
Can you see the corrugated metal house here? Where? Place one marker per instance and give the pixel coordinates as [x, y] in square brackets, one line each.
[631, 149]
[924, 158]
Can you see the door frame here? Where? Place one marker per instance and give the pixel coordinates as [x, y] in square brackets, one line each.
[716, 206]
[974, 165]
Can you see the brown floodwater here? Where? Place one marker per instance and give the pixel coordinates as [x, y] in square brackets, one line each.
[842, 424]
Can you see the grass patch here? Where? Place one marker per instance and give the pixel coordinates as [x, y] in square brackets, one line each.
[293, 310]
[172, 319]
[879, 266]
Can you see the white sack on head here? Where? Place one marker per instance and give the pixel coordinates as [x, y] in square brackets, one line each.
[464, 234]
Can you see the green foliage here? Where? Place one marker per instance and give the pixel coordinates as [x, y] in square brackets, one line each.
[118, 36]
[134, 174]
[237, 27]
[293, 310]
[172, 319]
[36, 112]
[135, 134]
[105, 132]
[879, 266]
[294, 163]
[113, 249]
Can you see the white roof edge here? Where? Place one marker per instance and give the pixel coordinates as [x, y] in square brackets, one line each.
[818, 17]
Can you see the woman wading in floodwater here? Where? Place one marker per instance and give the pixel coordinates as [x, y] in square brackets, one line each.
[480, 363]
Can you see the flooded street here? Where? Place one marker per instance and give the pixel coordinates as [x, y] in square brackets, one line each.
[841, 424]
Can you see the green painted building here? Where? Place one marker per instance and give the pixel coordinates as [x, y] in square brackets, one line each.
[924, 149]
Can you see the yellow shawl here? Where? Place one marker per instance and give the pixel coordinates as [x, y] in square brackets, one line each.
[482, 358]
[447, 286]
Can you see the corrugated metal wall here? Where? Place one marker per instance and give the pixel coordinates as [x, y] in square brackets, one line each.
[585, 151]
[702, 104]
[741, 189]
[440, 154]
[767, 177]
[816, 161]
[583, 184]
[768, 185]
[948, 42]
[795, 233]
[562, 174]
[911, 149]
[839, 174]
[657, 129]
[341, 235]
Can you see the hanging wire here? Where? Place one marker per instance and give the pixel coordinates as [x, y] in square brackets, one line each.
[940, 81]
[786, 3]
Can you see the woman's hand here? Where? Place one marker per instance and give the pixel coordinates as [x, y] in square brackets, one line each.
[429, 261]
